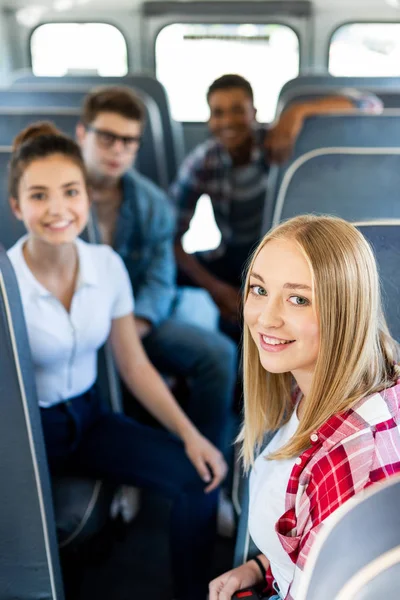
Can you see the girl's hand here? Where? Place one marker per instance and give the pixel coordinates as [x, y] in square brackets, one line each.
[224, 586]
[205, 457]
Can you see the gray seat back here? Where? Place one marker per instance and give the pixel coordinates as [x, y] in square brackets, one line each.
[65, 113]
[352, 183]
[29, 568]
[327, 84]
[245, 548]
[384, 237]
[81, 504]
[389, 98]
[356, 537]
[10, 228]
[173, 133]
[356, 130]
[13, 120]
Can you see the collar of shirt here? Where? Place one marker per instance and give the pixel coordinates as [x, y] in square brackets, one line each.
[379, 408]
[128, 220]
[86, 276]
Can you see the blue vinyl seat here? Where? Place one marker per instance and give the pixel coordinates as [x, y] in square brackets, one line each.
[173, 133]
[384, 237]
[333, 132]
[63, 109]
[82, 505]
[357, 557]
[353, 183]
[29, 565]
[309, 86]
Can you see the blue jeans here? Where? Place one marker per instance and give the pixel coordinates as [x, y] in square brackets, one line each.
[230, 268]
[207, 360]
[83, 438]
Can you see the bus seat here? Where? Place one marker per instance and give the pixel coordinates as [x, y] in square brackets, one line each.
[81, 505]
[13, 120]
[65, 112]
[384, 237]
[333, 131]
[357, 555]
[245, 548]
[173, 133]
[29, 566]
[389, 98]
[352, 183]
[10, 228]
[349, 130]
[303, 84]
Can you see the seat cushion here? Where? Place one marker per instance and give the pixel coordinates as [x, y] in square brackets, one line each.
[82, 508]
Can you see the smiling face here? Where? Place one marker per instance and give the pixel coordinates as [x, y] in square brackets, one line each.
[52, 200]
[232, 117]
[109, 145]
[280, 311]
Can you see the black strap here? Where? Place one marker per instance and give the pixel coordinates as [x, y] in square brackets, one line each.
[260, 566]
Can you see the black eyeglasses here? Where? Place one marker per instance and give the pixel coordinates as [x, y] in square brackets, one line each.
[107, 139]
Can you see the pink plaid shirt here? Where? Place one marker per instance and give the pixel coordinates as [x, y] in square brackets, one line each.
[347, 454]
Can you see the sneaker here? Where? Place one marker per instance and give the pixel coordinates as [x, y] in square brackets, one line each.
[126, 503]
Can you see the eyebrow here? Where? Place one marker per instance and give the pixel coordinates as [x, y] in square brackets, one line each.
[64, 185]
[287, 286]
[44, 187]
[257, 276]
[297, 286]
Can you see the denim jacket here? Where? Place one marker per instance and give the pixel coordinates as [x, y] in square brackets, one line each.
[144, 239]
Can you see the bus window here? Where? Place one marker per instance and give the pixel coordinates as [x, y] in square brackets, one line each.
[190, 56]
[61, 48]
[365, 49]
[203, 220]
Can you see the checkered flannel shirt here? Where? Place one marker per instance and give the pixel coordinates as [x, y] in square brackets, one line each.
[347, 454]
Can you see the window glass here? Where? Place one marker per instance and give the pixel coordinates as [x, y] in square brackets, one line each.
[61, 48]
[203, 220]
[189, 57]
[366, 49]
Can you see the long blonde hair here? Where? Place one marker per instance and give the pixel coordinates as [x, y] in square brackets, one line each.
[356, 355]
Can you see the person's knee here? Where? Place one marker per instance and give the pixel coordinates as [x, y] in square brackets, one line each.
[220, 356]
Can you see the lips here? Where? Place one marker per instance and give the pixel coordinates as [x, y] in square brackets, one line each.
[275, 341]
[58, 225]
[273, 344]
[113, 165]
[230, 134]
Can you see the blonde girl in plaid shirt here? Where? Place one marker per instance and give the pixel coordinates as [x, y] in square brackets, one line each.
[339, 352]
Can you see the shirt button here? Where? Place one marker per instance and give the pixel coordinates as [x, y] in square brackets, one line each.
[298, 461]
[314, 437]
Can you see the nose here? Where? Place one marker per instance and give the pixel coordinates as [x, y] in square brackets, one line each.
[270, 315]
[56, 204]
[118, 145]
[227, 119]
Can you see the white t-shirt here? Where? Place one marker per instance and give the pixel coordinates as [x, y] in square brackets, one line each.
[64, 345]
[268, 483]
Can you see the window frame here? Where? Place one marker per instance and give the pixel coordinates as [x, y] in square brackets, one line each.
[78, 22]
[210, 20]
[352, 22]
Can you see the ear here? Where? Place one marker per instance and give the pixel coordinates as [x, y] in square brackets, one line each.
[255, 113]
[80, 133]
[15, 208]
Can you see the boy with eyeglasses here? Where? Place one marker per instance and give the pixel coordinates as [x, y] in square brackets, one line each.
[135, 217]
